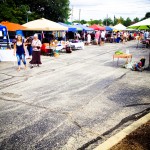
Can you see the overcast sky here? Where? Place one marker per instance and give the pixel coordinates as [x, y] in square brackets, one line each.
[98, 9]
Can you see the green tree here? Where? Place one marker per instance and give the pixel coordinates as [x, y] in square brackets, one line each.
[127, 22]
[76, 21]
[6, 12]
[91, 22]
[120, 20]
[107, 22]
[115, 21]
[16, 11]
[135, 20]
[147, 15]
[83, 22]
[56, 10]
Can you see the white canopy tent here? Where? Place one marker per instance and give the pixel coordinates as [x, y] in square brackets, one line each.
[44, 25]
[142, 25]
[129, 29]
[119, 27]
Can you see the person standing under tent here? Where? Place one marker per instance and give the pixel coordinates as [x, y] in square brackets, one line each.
[36, 53]
[14, 40]
[102, 37]
[118, 37]
[78, 36]
[146, 35]
[64, 36]
[99, 40]
[97, 34]
[83, 35]
[19, 51]
[124, 37]
[88, 38]
[29, 47]
[135, 35]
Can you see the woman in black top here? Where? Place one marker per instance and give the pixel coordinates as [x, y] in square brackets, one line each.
[19, 51]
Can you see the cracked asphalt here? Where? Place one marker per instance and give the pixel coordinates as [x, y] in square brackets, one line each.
[75, 101]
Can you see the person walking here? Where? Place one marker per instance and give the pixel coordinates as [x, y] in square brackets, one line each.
[28, 45]
[19, 51]
[36, 53]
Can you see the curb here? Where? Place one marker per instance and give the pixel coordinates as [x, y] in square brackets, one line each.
[112, 141]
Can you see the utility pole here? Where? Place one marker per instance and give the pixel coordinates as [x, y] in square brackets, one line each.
[79, 14]
[106, 19]
[114, 19]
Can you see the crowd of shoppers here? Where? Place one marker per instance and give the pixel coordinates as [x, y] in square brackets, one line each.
[33, 44]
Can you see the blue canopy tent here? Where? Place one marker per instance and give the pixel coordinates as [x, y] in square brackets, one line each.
[77, 27]
[4, 37]
[70, 27]
[4, 32]
[19, 32]
[84, 27]
[108, 28]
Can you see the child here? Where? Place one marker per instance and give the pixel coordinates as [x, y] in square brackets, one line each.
[139, 66]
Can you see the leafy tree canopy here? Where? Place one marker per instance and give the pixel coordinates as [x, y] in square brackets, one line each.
[56, 10]
[135, 20]
[91, 22]
[16, 10]
[147, 15]
[127, 22]
[107, 22]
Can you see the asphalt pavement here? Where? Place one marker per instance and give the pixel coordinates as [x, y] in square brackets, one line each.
[75, 101]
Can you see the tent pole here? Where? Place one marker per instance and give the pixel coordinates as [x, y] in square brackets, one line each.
[8, 40]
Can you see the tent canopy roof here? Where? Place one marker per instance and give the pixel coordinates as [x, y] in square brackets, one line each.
[12, 26]
[84, 27]
[70, 27]
[97, 27]
[142, 25]
[108, 28]
[119, 27]
[78, 28]
[44, 25]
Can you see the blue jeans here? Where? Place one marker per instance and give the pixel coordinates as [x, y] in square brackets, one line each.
[29, 47]
[19, 58]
